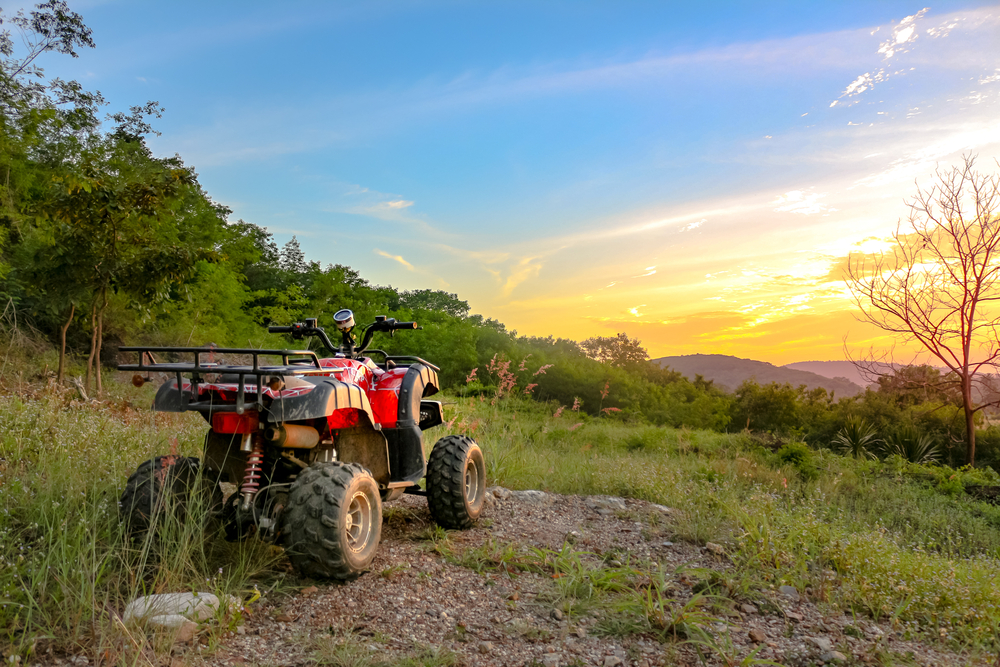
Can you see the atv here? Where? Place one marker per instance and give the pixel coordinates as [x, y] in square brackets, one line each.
[309, 448]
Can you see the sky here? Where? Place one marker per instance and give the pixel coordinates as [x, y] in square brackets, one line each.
[692, 174]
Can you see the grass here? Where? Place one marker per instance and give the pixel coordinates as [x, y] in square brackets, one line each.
[66, 568]
[885, 540]
[863, 536]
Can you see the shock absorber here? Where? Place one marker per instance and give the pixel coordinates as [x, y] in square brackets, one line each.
[251, 478]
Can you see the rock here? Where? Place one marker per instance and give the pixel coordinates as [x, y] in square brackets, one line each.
[488, 498]
[573, 536]
[499, 492]
[757, 636]
[533, 497]
[663, 509]
[431, 612]
[241, 630]
[789, 592]
[793, 616]
[833, 656]
[557, 614]
[443, 615]
[485, 647]
[748, 609]
[551, 660]
[715, 548]
[667, 544]
[184, 628]
[194, 606]
[605, 511]
[309, 590]
[822, 643]
[615, 563]
[581, 632]
[612, 661]
[605, 503]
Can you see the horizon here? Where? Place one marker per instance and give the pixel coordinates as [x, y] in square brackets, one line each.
[695, 177]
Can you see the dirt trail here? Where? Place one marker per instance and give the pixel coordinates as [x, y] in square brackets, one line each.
[415, 602]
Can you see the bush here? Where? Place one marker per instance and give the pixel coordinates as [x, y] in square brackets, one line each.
[799, 456]
[857, 439]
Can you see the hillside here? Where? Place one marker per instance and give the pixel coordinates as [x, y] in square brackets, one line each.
[728, 372]
[830, 369]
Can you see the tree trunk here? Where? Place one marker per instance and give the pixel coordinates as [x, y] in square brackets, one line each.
[62, 344]
[93, 343]
[970, 421]
[100, 340]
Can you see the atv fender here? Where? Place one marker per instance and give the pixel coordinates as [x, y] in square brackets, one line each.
[406, 452]
[328, 396]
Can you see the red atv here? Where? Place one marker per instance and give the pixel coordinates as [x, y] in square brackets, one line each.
[314, 446]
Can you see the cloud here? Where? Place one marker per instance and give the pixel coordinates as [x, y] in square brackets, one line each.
[694, 225]
[397, 258]
[804, 203]
[523, 270]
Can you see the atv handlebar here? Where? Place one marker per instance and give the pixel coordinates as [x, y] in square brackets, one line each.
[309, 328]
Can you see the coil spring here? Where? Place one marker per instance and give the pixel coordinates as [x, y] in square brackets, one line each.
[251, 479]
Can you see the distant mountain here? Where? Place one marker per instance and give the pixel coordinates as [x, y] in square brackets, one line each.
[729, 372]
[832, 369]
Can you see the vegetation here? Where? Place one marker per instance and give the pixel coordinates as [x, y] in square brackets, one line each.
[937, 286]
[103, 244]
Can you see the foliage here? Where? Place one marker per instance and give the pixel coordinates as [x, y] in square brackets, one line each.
[910, 444]
[857, 438]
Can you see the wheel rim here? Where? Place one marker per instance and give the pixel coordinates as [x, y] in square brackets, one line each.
[359, 522]
[472, 481]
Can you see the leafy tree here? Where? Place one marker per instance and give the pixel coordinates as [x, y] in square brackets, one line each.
[619, 350]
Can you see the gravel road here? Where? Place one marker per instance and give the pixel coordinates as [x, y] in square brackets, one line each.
[416, 602]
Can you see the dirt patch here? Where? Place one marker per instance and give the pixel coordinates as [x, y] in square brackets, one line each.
[452, 598]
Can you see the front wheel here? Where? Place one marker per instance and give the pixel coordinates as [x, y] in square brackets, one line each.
[333, 522]
[456, 482]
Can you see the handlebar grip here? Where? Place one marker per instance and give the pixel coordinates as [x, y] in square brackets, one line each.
[405, 325]
[279, 329]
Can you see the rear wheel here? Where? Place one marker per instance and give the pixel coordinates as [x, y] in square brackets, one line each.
[456, 482]
[168, 487]
[333, 522]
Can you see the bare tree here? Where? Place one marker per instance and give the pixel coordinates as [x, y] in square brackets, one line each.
[940, 283]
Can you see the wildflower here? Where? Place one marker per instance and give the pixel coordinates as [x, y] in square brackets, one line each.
[523, 366]
[575, 426]
[576, 404]
[558, 413]
[604, 393]
[541, 369]
[530, 388]
[471, 376]
[607, 410]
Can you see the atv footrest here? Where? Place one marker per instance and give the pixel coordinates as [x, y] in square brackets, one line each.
[415, 490]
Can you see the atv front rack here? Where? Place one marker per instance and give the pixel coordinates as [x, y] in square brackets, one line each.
[307, 365]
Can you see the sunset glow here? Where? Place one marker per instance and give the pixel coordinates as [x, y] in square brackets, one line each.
[696, 178]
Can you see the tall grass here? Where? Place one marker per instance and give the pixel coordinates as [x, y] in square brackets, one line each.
[66, 568]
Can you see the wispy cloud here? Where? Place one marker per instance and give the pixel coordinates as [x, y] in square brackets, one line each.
[395, 258]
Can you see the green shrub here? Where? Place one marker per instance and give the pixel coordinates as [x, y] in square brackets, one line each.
[857, 439]
[799, 456]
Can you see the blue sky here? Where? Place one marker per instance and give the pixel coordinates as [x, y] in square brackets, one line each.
[690, 173]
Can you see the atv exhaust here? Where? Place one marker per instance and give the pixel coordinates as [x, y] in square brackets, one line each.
[292, 436]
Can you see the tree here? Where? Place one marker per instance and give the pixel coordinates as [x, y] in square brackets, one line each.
[939, 285]
[617, 350]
